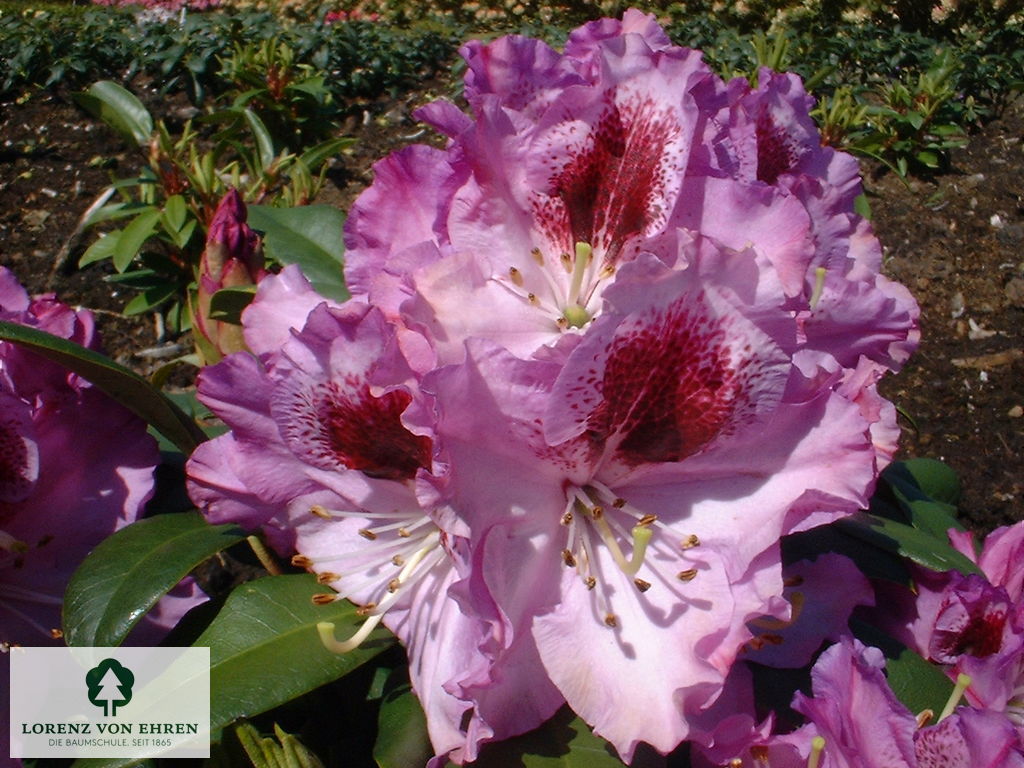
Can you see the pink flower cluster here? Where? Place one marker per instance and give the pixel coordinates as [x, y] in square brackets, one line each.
[972, 626]
[355, 14]
[604, 351]
[162, 5]
[74, 467]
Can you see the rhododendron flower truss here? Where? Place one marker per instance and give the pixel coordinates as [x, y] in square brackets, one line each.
[574, 163]
[647, 479]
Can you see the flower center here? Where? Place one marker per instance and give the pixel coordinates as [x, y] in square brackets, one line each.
[378, 570]
[595, 517]
[567, 293]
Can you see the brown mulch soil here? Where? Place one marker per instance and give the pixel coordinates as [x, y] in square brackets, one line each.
[956, 240]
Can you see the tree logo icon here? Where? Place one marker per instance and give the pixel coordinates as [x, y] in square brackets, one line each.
[110, 685]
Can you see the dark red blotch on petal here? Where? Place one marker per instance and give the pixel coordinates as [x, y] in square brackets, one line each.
[334, 425]
[668, 389]
[16, 479]
[775, 152]
[609, 188]
[367, 434]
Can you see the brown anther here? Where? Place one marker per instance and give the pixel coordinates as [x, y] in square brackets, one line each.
[404, 533]
[515, 276]
[327, 577]
[568, 559]
[736, 762]
[537, 256]
[532, 298]
[562, 322]
[688, 575]
[567, 518]
[610, 620]
[56, 634]
[566, 260]
[393, 585]
[365, 610]
[690, 542]
[597, 512]
[647, 520]
[319, 511]
[924, 717]
[642, 585]
[398, 560]
[760, 753]
[590, 581]
[619, 503]
[607, 271]
[793, 581]
[366, 533]
[301, 561]
[323, 599]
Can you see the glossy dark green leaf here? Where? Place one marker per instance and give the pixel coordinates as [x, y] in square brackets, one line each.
[310, 236]
[265, 650]
[564, 741]
[915, 544]
[402, 738]
[935, 479]
[917, 683]
[119, 109]
[130, 571]
[149, 299]
[123, 385]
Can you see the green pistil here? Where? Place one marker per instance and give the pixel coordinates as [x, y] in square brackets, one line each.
[576, 316]
[963, 682]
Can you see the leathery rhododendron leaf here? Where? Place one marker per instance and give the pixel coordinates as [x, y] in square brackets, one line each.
[130, 571]
[121, 384]
[264, 648]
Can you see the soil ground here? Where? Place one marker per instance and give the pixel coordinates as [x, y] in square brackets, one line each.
[957, 241]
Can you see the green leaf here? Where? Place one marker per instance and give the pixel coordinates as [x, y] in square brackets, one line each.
[917, 683]
[123, 385]
[149, 298]
[175, 211]
[935, 479]
[264, 142]
[265, 650]
[919, 546]
[310, 236]
[119, 109]
[133, 236]
[564, 741]
[316, 156]
[402, 738]
[131, 570]
[227, 304]
[862, 206]
[104, 248]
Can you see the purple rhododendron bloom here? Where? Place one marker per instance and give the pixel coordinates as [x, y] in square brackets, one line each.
[856, 721]
[74, 467]
[604, 350]
[972, 624]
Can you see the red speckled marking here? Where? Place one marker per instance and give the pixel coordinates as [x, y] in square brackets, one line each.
[981, 637]
[776, 154]
[608, 191]
[17, 466]
[671, 384]
[350, 427]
